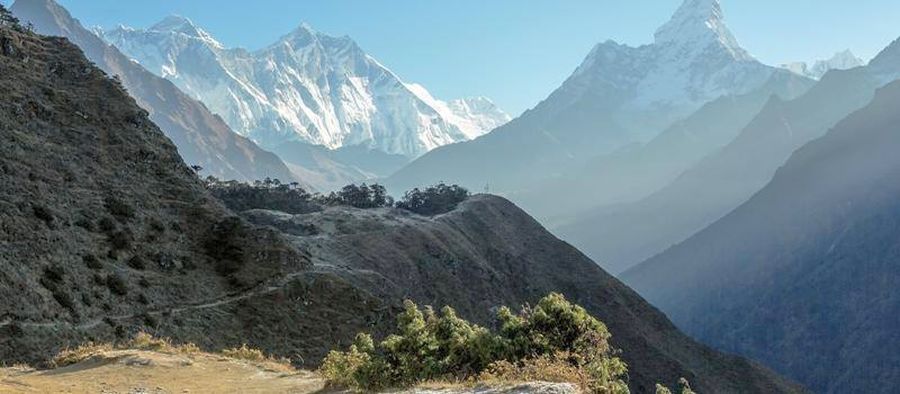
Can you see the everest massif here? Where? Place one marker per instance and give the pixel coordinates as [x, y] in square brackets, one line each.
[307, 87]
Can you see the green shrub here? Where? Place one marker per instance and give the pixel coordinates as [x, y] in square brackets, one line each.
[120, 240]
[430, 346]
[268, 194]
[118, 208]
[359, 196]
[106, 225]
[137, 262]
[117, 285]
[92, 261]
[55, 273]
[225, 245]
[685, 388]
[43, 213]
[433, 200]
[63, 298]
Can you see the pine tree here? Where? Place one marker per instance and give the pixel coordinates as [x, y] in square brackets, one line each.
[7, 19]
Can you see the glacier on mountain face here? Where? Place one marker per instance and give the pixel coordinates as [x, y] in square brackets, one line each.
[307, 87]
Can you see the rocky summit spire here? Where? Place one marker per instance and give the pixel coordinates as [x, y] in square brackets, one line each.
[699, 22]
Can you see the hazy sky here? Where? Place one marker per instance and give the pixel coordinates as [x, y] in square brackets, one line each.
[513, 51]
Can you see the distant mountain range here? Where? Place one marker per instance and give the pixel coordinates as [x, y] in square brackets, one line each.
[803, 276]
[307, 87]
[623, 235]
[638, 170]
[844, 60]
[619, 95]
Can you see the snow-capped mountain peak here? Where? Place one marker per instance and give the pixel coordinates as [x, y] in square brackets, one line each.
[182, 25]
[474, 116]
[693, 60]
[307, 86]
[303, 35]
[843, 60]
[700, 22]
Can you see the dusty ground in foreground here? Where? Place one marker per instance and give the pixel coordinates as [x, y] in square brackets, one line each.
[135, 371]
[149, 372]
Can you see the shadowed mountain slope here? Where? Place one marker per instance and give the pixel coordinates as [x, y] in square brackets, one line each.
[803, 275]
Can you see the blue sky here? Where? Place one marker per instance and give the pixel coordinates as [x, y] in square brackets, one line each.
[513, 51]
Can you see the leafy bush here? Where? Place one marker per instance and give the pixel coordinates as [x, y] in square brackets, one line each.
[225, 245]
[116, 284]
[43, 213]
[434, 200]
[121, 240]
[291, 198]
[558, 339]
[685, 388]
[268, 194]
[92, 261]
[137, 262]
[118, 208]
[359, 196]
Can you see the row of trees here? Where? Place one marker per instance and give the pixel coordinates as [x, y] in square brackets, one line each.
[294, 199]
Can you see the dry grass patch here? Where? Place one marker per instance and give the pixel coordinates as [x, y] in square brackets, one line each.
[141, 341]
[257, 356]
[144, 341]
[147, 342]
[86, 351]
[551, 369]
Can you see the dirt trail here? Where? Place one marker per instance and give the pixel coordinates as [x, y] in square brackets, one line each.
[260, 290]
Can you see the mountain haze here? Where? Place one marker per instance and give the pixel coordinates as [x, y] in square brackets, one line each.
[638, 170]
[618, 95]
[803, 275]
[621, 236]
